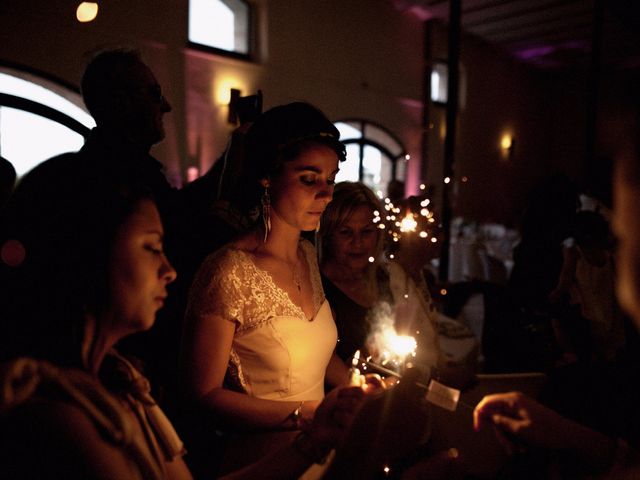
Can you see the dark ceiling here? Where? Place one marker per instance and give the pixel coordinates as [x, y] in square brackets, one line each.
[552, 34]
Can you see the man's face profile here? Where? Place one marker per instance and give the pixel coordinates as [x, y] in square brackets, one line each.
[143, 105]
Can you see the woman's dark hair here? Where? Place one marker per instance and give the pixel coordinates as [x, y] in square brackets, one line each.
[279, 135]
[63, 216]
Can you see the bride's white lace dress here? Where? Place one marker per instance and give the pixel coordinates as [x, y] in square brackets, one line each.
[277, 353]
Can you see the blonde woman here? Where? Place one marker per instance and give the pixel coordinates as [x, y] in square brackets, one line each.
[361, 287]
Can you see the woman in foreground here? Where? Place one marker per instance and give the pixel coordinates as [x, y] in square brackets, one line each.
[83, 267]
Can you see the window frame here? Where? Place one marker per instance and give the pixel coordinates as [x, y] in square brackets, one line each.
[24, 104]
[249, 56]
[37, 108]
[54, 85]
[363, 141]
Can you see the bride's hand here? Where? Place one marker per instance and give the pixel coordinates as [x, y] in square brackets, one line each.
[334, 416]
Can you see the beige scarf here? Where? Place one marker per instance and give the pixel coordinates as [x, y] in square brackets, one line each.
[24, 378]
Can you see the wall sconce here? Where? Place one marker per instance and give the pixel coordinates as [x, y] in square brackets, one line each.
[232, 116]
[192, 174]
[507, 146]
[244, 109]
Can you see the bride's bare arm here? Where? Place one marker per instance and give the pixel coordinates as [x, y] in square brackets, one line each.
[337, 371]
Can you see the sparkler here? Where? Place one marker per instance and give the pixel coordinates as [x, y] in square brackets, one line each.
[436, 392]
[354, 372]
[417, 218]
[390, 348]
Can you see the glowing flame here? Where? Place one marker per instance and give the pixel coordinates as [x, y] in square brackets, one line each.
[401, 345]
[408, 223]
[393, 347]
[356, 359]
[354, 373]
[384, 343]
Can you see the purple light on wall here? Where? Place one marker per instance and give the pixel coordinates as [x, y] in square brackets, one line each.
[534, 52]
[421, 13]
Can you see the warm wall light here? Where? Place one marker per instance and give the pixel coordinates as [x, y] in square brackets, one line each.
[192, 174]
[507, 144]
[87, 12]
[223, 86]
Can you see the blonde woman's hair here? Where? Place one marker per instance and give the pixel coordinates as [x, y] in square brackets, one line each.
[347, 197]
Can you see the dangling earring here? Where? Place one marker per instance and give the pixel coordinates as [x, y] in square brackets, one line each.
[266, 212]
[318, 227]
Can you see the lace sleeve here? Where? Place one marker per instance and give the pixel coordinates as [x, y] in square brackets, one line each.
[216, 289]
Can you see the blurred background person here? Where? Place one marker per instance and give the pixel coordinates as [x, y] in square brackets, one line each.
[587, 279]
[611, 450]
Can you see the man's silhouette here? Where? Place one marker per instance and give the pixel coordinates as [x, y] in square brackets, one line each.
[126, 101]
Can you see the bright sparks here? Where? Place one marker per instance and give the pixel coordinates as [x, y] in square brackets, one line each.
[408, 223]
[397, 347]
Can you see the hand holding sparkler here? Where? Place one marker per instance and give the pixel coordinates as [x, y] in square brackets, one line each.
[388, 426]
[355, 378]
[369, 382]
[334, 415]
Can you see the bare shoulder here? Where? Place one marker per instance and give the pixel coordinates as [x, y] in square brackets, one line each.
[56, 439]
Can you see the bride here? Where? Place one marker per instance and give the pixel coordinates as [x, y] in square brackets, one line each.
[259, 335]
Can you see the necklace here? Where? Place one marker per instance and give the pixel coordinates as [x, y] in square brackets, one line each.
[296, 276]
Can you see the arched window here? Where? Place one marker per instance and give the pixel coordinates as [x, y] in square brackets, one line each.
[39, 119]
[223, 25]
[374, 155]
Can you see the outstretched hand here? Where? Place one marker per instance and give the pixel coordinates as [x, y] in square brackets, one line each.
[516, 417]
